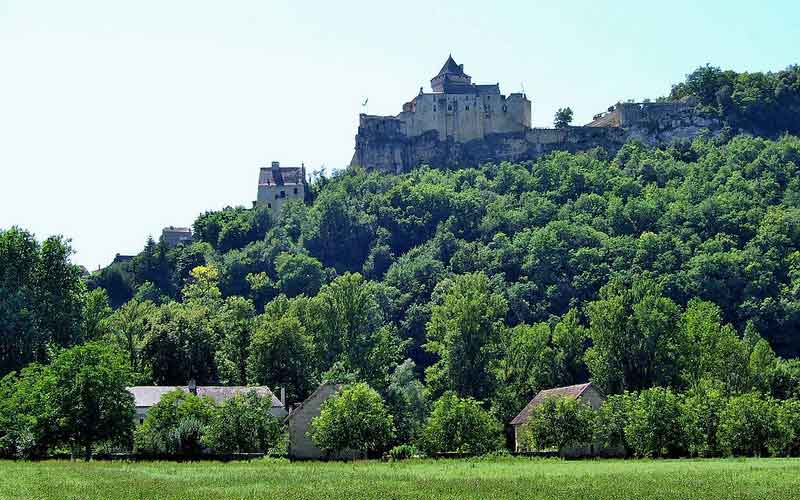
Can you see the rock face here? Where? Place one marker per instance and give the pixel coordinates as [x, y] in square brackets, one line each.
[382, 144]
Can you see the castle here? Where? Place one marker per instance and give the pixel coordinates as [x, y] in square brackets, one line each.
[462, 123]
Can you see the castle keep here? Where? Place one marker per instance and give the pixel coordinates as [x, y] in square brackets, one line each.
[462, 123]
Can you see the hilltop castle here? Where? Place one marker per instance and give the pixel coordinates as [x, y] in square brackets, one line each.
[462, 123]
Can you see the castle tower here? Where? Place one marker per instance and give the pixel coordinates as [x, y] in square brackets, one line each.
[451, 77]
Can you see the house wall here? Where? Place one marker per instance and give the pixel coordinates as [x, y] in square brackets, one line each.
[275, 197]
[300, 444]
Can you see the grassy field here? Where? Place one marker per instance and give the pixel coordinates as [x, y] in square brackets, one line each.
[495, 479]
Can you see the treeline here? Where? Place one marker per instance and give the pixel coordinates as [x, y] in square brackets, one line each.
[653, 268]
[658, 422]
[765, 104]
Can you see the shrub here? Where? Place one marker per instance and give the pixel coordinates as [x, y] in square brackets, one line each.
[403, 451]
[460, 425]
[356, 418]
[176, 425]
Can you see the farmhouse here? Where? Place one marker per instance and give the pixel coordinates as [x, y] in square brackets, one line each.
[300, 445]
[146, 396]
[586, 393]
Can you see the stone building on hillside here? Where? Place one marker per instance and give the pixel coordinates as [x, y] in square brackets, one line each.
[586, 393]
[301, 447]
[277, 185]
[146, 396]
[173, 236]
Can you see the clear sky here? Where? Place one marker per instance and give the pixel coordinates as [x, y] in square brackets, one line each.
[118, 118]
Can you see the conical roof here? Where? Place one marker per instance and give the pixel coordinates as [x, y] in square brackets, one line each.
[450, 67]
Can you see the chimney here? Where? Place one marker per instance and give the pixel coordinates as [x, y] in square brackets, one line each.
[283, 396]
[193, 387]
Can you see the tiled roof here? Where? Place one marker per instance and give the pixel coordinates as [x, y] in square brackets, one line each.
[570, 391]
[146, 396]
[286, 176]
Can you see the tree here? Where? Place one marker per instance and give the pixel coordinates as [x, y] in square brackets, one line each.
[234, 323]
[563, 117]
[298, 273]
[176, 425]
[95, 314]
[355, 418]
[749, 425]
[406, 401]
[559, 422]
[460, 425]
[41, 298]
[281, 352]
[91, 397]
[636, 342]
[463, 331]
[701, 409]
[349, 326]
[28, 413]
[654, 424]
[243, 424]
[126, 330]
[180, 345]
[611, 420]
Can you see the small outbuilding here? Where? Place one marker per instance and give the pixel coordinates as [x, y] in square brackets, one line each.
[586, 393]
[146, 396]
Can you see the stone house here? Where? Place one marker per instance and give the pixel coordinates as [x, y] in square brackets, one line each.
[173, 236]
[586, 393]
[146, 396]
[299, 422]
[277, 185]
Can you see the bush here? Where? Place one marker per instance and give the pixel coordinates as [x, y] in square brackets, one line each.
[356, 418]
[403, 451]
[558, 422]
[243, 424]
[460, 425]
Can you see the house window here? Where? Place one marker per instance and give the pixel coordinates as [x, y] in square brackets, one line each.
[276, 196]
[141, 420]
[269, 205]
[283, 194]
[466, 108]
[295, 190]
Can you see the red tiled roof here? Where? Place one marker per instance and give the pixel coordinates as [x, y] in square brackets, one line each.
[570, 391]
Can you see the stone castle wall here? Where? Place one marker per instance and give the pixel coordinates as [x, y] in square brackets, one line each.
[383, 143]
[465, 117]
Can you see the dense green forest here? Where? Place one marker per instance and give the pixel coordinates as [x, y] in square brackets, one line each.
[674, 267]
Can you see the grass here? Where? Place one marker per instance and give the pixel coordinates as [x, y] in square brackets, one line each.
[490, 478]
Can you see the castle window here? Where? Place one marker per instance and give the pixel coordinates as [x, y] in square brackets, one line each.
[276, 196]
[283, 194]
[505, 108]
[449, 107]
[434, 109]
[269, 205]
[466, 108]
[295, 190]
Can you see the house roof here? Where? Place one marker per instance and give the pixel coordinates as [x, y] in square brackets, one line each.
[146, 396]
[283, 176]
[570, 391]
[321, 386]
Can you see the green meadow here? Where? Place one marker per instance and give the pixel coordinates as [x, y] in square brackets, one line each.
[474, 478]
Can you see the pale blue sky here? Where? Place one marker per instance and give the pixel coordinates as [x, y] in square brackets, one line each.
[118, 118]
